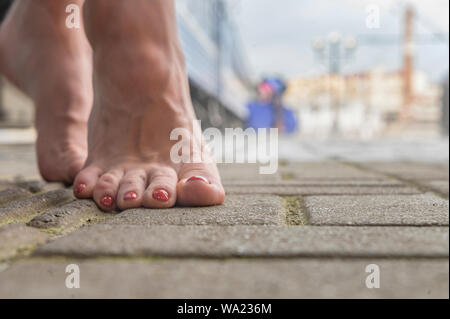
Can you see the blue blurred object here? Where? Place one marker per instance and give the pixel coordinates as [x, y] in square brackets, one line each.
[277, 85]
[262, 115]
[262, 112]
[289, 121]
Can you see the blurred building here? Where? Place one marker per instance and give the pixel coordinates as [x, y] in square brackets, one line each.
[369, 104]
[216, 63]
[217, 68]
[445, 110]
[16, 109]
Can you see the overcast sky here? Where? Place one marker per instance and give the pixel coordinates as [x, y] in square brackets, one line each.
[277, 34]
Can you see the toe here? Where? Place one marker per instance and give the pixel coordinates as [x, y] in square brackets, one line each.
[131, 189]
[200, 186]
[105, 191]
[85, 181]
[161, 191]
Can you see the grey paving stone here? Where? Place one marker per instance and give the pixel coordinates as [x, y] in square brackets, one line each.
[437, 186]
[39, 186]
[412, 170]
[24, 210]
[322, 189]
[69, 217]
[235, 278]
[424, 209]
[13, 193]
[4, 185]
[236, 210]
[245, 172]
[318, 183]
[331, 171]
[251, 241]
[16, 239]
[18, 161]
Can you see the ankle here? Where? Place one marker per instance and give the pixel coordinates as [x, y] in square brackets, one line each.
[121, 23]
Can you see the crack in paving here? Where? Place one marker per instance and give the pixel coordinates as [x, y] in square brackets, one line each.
[25, 210]
[67, 218]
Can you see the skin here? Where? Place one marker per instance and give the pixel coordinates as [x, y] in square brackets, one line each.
[37, 53]
[140, 94]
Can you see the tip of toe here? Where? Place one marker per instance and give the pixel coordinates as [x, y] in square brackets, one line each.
[200, 194]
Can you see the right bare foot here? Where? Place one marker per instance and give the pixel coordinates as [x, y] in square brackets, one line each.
[141, 95]
[53, 65]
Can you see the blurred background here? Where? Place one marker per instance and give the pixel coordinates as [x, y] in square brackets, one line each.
[351, 69]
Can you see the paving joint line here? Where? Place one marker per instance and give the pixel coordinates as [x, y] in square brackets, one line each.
[157, 257]
[408, 182]
[294, 211]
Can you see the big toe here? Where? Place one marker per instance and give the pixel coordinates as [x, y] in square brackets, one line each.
[200, 187]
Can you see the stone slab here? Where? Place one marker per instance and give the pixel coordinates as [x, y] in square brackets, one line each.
[424, 209]
[39, 186]
[25, 210]
[318, 183]
[412, 170]
[236, 210]
[16, 239]
[331, 171]
[232, 278]
[338, 189]
[69, 217]
[245, 172]
[251, 241]
[18, 161]
[11, 194]
[440, 187]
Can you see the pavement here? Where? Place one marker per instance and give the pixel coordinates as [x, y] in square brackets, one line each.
[317, 228]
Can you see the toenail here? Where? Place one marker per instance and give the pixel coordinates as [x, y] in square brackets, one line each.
[130, 195]
[198, 178]
[80, 188]
[107, 201]
[161, 195]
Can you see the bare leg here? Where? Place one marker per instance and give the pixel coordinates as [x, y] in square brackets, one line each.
[53, 65]
[141, 95]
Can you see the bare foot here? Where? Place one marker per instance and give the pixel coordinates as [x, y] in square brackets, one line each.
[53, 65]
[141, 95]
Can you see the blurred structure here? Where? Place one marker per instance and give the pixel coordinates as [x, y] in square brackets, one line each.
[334, 52]
[408, 66]
[16, 109]
[372, 103]
[445, 111]
[268, 110]
[215, 61]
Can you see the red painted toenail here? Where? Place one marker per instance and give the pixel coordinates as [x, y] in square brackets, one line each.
[130, 195]
[197, 178]
[80, 188]
[161, 195]
[107, 201]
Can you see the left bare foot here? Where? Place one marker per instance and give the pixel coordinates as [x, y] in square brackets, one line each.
[53, 65]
